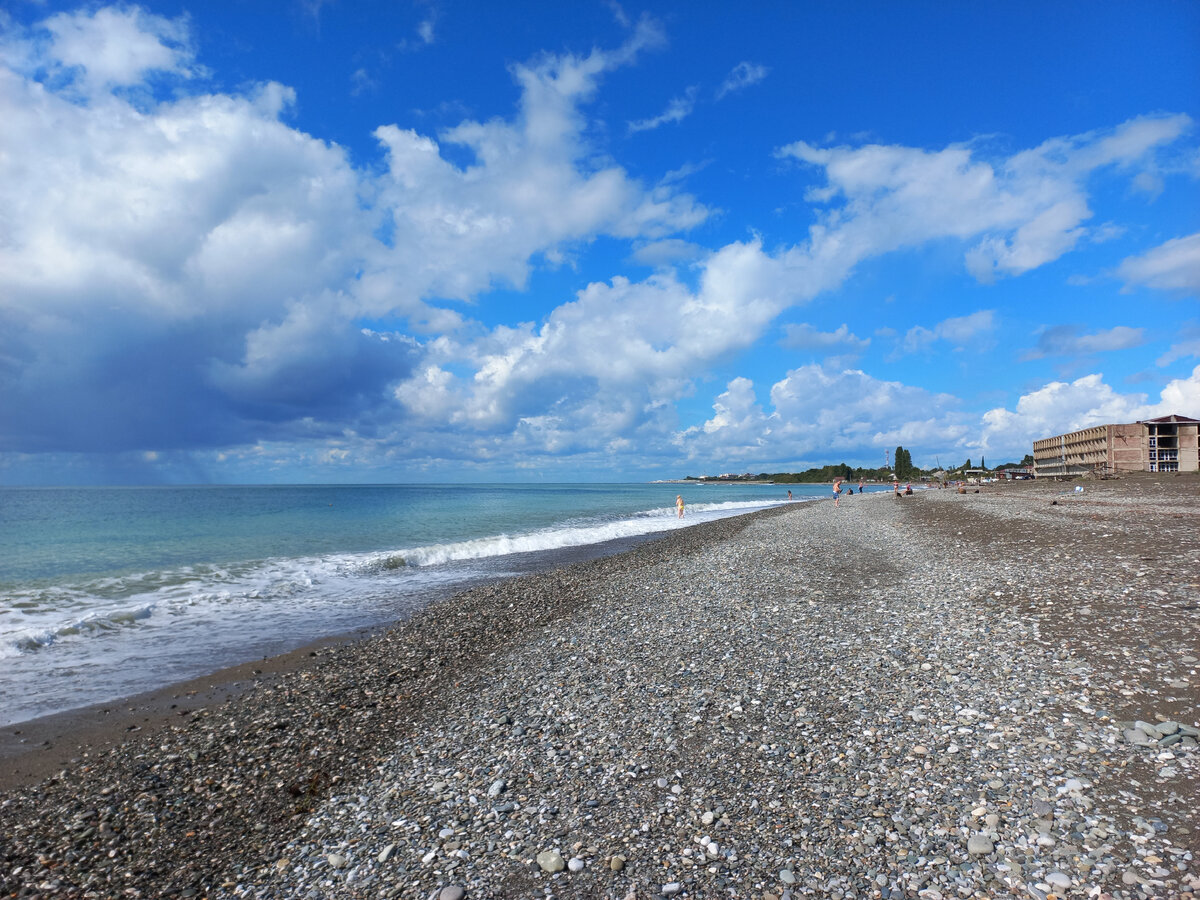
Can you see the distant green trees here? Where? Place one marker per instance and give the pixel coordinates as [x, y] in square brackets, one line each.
[904, 465]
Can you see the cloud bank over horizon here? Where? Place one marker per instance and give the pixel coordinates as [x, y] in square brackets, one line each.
[196, 285]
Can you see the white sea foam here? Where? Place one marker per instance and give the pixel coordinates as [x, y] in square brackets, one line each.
[560, 537]
[35, 618]
[71, 642]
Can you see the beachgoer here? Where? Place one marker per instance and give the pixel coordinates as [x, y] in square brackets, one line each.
[679, 504]
[908, 490]
[860, 485]
[837, 491]
[789, 495]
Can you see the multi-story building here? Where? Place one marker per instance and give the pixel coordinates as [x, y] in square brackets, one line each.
[1166, 444]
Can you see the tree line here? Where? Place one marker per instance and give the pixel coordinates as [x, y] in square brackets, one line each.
[902, 469]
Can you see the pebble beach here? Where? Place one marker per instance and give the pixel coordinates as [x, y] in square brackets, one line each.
[990, 694]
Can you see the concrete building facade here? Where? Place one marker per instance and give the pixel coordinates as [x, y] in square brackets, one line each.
[1166, 444]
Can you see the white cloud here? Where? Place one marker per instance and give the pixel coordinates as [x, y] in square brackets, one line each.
[957, 330]
[677, 110]
[425, 29]
[1023, 211]
[236, 253]
[643, 340]
[667, 252]
[1065, 340]
[114, 47]
[1188, 344]
[821, 412]
[742, 76]
[1061, 407]
[1173, 266]
[806, 337]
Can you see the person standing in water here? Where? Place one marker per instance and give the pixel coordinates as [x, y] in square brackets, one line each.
[837, 491]
[860, 485]
[679, 504]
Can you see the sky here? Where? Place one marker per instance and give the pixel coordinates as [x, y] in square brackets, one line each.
[323, 241]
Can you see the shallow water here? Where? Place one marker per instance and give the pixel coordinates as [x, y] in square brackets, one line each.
[106, 592]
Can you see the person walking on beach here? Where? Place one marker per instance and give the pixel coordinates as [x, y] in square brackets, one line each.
[837, 491]
[679, 504]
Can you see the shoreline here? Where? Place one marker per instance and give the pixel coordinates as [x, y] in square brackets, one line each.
[36, 748]
[131, 671]
[787, 684]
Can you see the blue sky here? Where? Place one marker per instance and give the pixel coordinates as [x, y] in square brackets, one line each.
[435, 241]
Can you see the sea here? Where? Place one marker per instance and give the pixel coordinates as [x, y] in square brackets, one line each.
[106, 592]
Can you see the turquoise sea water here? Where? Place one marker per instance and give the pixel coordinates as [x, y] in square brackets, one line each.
[105, 592]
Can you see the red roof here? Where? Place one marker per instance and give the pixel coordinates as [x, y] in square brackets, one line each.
[1170, 420]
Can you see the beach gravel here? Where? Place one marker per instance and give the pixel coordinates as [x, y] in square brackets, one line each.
[945, 696]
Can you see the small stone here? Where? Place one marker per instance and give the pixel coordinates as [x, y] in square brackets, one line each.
[451, 892]
[575, 864]
[497, 787]
[979, 845]
[617, 863]
[386, 853]
[708, 817]
[1058, 880]
[551, 861]
[671, 888]
[920, 750]
[787, 876]
[336, 860]
[1151, 731]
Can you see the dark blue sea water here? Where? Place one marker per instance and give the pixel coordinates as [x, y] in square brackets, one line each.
[106, 592]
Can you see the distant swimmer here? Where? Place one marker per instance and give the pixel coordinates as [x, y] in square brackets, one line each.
[679, 504]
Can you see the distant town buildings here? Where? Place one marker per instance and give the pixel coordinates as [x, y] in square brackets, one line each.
[1166, 444]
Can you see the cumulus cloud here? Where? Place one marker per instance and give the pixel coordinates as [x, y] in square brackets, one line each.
[742, 76]
[1173, 267]
[117, 47]
[1022, 212]
[201, 238]
[282, 297]
[818, 411]
[1067, 340]
[1061, 407]
[643, 340]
